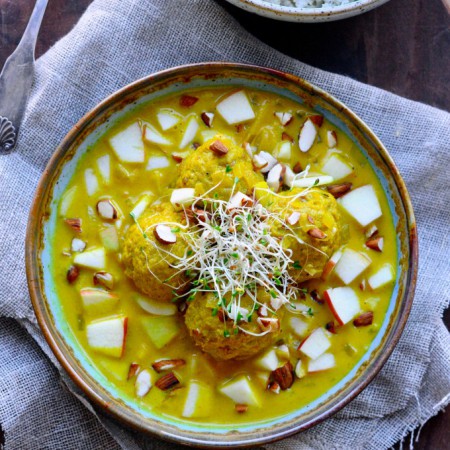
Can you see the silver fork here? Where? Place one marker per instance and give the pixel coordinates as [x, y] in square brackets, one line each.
[16, 79]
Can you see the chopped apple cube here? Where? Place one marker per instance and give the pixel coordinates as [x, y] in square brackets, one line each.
[161, 330]
[351, 264]
[91, 259]
[110, 239]
[189, 133]
[268, 361]
[94, 299]
[118, 368]
[128, 145]
[182, 197]
[240, 391]
[157, 162]
[336, 167]
[299, 327]
[284, 152]
[91, 182]
[108, 336]
[362, 204]
[307, 182]
[384, 276]
[152, 136]
[315, 344]
[104, 167]
[324, 362]
[156, 308]
[343, 303]
[198, 400]
[167, 119]
[236, 108]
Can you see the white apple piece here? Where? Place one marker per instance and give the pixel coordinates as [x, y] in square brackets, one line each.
[268, 361]
[157, 162]
[261, 159]
[189, 133]
[156, 308]
[143, 383]
[362, 204]
[110, 239]
[330, 265]
[107, 336]
[152, 136]
[161, 330]
[236, 108]
[382, 277]
[351, 264]
[343, 303]
[97, 299]
[128, 145]
[315, 344]
[182, 197]
[284, 152]
[167, 119]
[307, 136]
[275, 177]
[91, 182]
[104, 167]
[67, 200]
[91, 259]
[324, 362]
[240, 391]
[299, 326]
[77, 245]
[141, 206]
[198, 400]
[307, 182]
[332, 138]
[336, 167]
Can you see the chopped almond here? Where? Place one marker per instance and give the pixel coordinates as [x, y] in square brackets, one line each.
[167, 364]
[167, 381]
[259, 162]
[72, 274]
[293, 218]
[332, 138]
[372, 231]
[207, 118]
[284, 118]
[297, 168]
[177, 158]
[316, 233]
[133, 370]
[219, 148]
[104, 279]
[241, 408]
[376, 243]
[316, 119]
[274, 387]
[364, 319]
[331, 327]
[188, 100]
[286, 137]
[77, 245]
[164, 234]
[363, 285]
[74, 223]
[310, 219]
[338, 190]
[284, 376]
[270, 324]
[316, 297]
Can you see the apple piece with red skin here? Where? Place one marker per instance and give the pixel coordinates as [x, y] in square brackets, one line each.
[315, 344]
[343, 303]
[351, 264]
[108, 336]
[330, 265]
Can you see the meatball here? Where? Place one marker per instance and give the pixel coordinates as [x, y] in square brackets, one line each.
[203, 169]
[318, 232]
[146, 260]
[208, 329]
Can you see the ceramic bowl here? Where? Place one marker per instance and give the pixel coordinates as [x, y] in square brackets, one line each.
[61, 167]
[291, 14]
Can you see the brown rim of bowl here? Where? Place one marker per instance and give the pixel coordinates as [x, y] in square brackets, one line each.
[112, 409]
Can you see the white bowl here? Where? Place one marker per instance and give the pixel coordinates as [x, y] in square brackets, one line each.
[292, 14]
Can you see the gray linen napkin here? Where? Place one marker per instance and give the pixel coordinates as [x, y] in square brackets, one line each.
[118, 41]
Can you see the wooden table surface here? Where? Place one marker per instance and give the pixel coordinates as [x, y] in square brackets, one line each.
[403, 47]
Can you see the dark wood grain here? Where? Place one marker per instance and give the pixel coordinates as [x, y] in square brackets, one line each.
[403, 46]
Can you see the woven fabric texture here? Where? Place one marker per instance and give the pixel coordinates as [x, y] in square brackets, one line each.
[118, 41]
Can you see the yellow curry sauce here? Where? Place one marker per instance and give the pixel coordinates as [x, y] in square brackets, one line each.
[101, 174]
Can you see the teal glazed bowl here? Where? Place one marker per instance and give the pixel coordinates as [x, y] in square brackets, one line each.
[103, 394]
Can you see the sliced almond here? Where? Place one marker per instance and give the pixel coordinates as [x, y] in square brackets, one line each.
[316, 119]
[188, 100]
[207, 118]
[293, 218]
[74, 223]
[275, 177]
[259, 162]
[72, 274]
[272, 162]
[363, 285]
[274, 387]
[164, 234]
[167, 381]
[286, 137]
[218, 148]
[288, 177]
[167, 364]
[372, 231]
[262, 311]
[241, 409]
[307, 136]
[249, 149]
[338, 190]
[364, 319]
[77, 245]
[133, 370]
[104, 279]
[239, 200]
[270, 324]
[332, 138]
[297, 168]
[143, 383]
[106, 210]
[316, 233]
[285, 118]
[331, 327]
[284, 376]
[376, 243]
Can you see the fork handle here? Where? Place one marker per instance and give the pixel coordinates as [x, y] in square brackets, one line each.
[16, 79]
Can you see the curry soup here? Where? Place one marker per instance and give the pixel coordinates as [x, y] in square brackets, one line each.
[224, 256]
